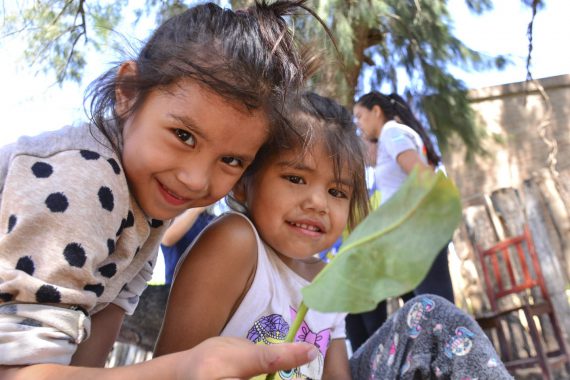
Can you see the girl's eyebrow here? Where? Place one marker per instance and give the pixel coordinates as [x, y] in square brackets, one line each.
[344, 181]
[296, 164]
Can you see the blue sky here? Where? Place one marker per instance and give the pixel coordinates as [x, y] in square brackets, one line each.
[30, 104]
[504, 31]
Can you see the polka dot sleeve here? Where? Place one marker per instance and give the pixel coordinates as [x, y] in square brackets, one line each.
[59, 220]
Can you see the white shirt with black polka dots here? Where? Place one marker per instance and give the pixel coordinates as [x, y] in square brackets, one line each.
[71, 234]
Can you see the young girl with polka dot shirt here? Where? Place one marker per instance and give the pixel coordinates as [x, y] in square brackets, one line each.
[83, 209]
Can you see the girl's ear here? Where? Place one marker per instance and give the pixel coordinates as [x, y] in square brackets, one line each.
[124, 96]
[377, 111]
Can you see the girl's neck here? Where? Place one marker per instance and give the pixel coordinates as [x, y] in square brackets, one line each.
[307, 268]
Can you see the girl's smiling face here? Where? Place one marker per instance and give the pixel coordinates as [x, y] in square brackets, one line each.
[296, 203]
[186, 146]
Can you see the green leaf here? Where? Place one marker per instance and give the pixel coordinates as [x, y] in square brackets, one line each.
[390, 251]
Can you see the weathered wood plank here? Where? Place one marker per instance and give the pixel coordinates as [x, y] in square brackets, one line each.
[506, 203]
[551, 270]
[559, 222]
[479, 226]
[467, 287]
[481, 233]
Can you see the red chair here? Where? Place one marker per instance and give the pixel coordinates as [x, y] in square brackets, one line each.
[511, 267]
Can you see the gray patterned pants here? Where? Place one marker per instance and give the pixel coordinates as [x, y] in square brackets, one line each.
[428, 338]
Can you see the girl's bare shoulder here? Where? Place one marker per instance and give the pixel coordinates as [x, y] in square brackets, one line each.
[229, 234]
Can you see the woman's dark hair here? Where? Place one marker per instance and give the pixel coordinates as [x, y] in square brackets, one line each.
[395, 107]
[320, 120]
[248, 56]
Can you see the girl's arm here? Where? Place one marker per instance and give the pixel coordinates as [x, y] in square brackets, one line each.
[209, 284]
[336, 361]
[181, 225]
[217, 358]
[105, 326]
[409, 159]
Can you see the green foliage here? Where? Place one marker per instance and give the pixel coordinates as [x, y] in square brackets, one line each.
[163, 10]
[56, 32]
[391, 251]
[479, 6]
[407, 45]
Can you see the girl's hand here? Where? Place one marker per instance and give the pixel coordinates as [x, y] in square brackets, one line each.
[214, 359]
[236, 358]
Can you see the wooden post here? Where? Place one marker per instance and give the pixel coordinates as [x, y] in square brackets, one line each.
[559, 227]
[479, 226]
[553, 276]
[481, 233]
[507, 204]
[467, 286]
[508, 207]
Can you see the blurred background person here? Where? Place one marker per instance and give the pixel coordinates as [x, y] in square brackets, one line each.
[400, 144]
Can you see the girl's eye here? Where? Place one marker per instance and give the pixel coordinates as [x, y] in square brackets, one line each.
[232, 161]
[337, 193]
[295, 179]
[185, 136]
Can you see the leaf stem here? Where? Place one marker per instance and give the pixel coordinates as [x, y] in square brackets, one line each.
[293, 330]
[297, 322]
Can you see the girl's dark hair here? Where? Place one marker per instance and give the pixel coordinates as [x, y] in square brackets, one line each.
[395, 107]
[320, 120]
[248, 56]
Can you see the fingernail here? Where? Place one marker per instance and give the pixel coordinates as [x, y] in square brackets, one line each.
[312, 355]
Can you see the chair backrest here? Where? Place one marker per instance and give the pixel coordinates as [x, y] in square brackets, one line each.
[511, 267]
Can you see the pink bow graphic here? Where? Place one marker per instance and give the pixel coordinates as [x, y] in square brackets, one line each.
[305, 334]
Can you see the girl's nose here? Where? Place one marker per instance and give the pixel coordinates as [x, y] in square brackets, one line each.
[317, 200]
[196, 178]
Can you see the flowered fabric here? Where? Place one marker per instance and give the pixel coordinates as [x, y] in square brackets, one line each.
[428, 338]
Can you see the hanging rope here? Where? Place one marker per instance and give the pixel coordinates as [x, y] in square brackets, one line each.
[543, 127]
[529, 34]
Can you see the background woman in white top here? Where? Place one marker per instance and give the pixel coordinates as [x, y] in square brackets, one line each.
[402, 145]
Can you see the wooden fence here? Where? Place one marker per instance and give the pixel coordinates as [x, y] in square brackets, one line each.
[542, 203]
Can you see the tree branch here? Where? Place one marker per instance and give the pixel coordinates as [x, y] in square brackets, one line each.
[72, 51]
[67, 4]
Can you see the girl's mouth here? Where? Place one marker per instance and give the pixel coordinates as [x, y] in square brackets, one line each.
[306, 226]
[307, 229]
[170, 196]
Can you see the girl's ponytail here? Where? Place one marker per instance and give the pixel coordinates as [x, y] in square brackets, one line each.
[406, 116]
[296, 64]
[396, 108]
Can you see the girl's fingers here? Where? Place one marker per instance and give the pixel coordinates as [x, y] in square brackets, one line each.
[235, 358]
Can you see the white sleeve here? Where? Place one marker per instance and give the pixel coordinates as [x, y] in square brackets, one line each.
[396, 141]
[339, 330]
[129, 296]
